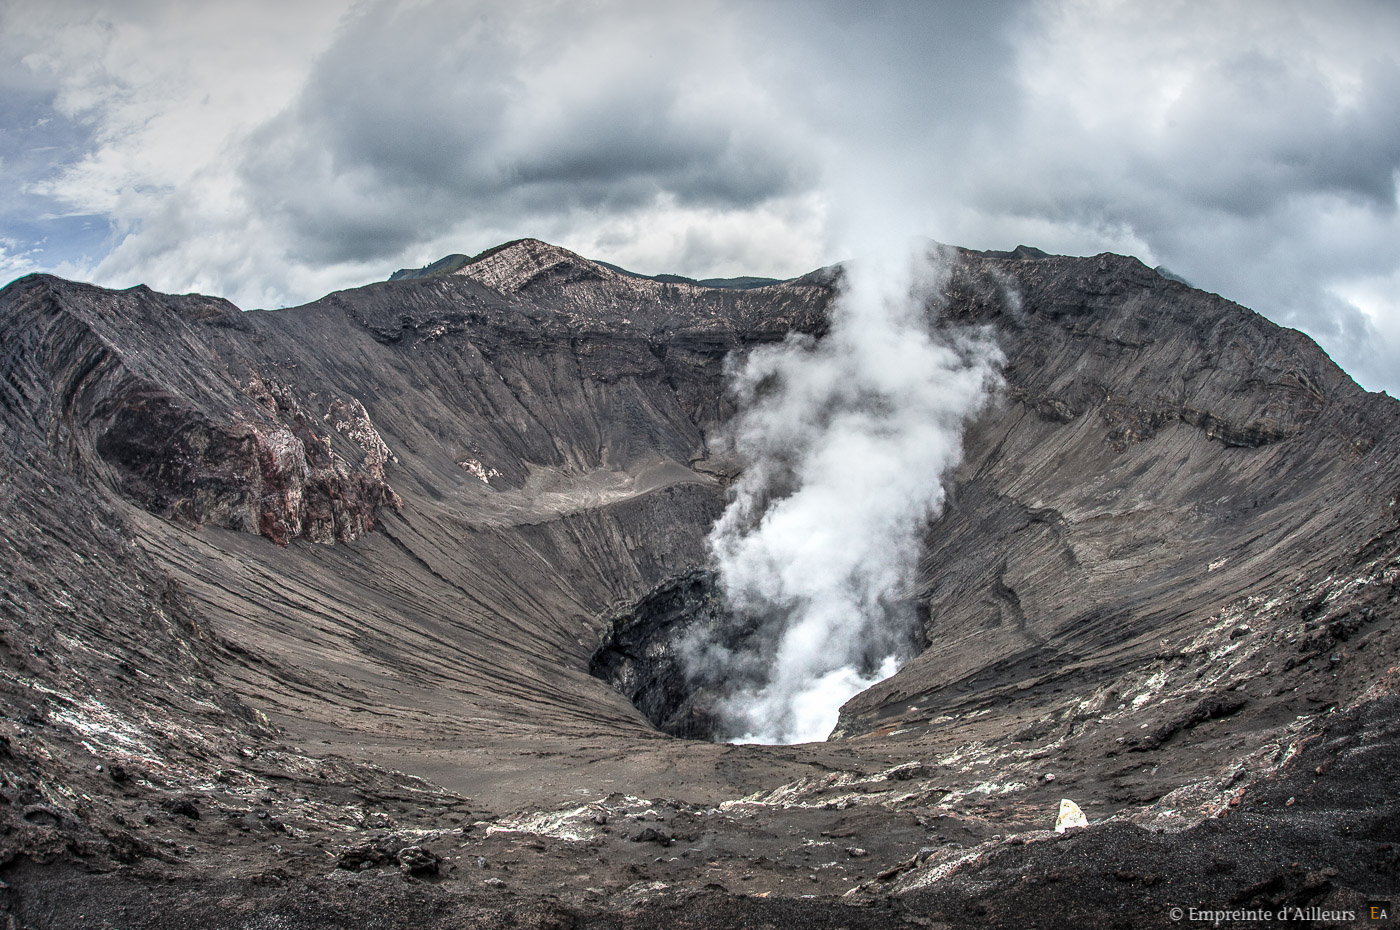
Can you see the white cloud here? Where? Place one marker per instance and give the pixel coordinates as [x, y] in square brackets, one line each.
[16, 261]
[165, 91]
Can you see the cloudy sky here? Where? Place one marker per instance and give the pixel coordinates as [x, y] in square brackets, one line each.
[273, 151]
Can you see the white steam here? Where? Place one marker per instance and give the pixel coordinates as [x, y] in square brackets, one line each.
[845, 441]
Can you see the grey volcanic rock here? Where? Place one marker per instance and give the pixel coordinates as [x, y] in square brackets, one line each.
[171, 425]
[1163, 453]
[640, 653]
[1167, 574]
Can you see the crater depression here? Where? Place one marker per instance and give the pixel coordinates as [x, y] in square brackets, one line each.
[302, 611]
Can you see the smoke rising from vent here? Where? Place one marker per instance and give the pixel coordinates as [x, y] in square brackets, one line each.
[845, 442]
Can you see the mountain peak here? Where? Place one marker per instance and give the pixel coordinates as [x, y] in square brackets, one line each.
[505, 267]
[512, 266]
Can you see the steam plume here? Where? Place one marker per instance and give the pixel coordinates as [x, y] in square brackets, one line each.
[846, 441]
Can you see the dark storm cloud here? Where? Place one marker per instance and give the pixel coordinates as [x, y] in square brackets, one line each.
[900, 68]
[432, 114]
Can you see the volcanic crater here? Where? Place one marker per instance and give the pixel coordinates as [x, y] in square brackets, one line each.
[365, 611]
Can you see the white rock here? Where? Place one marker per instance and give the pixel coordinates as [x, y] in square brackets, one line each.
[1070, 816]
